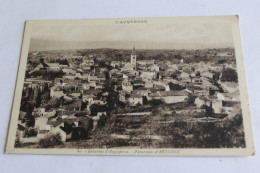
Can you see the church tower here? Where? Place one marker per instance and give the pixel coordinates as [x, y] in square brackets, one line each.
[133, 58]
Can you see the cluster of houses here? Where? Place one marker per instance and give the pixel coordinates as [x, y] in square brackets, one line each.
[142, 81]
[78, 86]
[136, 82]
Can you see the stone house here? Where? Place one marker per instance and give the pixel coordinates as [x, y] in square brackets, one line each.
[135, 99]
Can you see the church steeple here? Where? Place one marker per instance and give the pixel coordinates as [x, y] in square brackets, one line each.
[133, 51]
[133, 58]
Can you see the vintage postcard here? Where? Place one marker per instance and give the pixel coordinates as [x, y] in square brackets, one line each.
[132, 86]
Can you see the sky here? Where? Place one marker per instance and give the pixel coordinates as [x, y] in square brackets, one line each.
[173, 35]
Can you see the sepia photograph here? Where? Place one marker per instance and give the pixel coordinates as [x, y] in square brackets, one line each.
[132, 86]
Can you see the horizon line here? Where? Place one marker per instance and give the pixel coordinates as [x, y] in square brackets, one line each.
[229, 47]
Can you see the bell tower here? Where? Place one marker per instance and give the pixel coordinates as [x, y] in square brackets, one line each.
[133, 58]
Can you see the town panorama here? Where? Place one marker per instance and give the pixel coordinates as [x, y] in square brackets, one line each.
[135, 98]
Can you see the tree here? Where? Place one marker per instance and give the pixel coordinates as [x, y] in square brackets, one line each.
[30, 120]
[197, 74]
[102, 64]
[107, 75]
[222, 61]
[191, 99]
[229, 75]
[61, 101]
[18, 143]
[38, 98]
[84, 105]
[51, 140]
[174, 75]
[112, 100]
[175, 86]
[42, 60]
[64, 62]
[209, 110]
[155, 102]
[95, 108]
[122, 105]
[46, 88]
[30, 132]
[216, 76]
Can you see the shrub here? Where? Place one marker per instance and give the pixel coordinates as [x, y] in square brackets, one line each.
[18, 143]
[50, 140]
[118, 142]
[229, 75]
[30, 133]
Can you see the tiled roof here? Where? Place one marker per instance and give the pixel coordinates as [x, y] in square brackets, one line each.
[136, 96]
[71, 81]
[154, 95]
[173, 93]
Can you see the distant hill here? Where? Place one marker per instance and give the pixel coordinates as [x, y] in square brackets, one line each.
[45, 45]
[173, 55]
